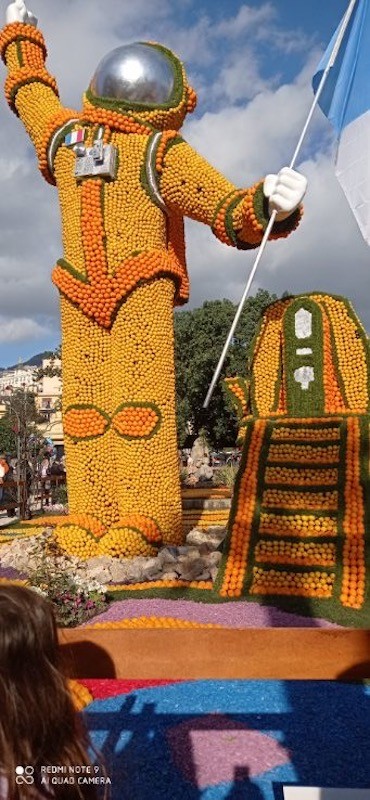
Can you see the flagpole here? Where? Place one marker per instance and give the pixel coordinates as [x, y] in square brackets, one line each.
[330, 64]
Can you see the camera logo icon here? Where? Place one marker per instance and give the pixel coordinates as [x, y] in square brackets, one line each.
[24, 775]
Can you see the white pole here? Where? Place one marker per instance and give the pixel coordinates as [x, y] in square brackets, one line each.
[333, 56]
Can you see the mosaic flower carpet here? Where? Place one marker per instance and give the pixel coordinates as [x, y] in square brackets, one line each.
[229, 740]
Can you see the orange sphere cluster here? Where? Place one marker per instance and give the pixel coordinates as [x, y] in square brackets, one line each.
[351, 351]
[308, 434]
[122, 542]
[290, 499]
[266, 363]
[136, 422]
[76, 541]
[354, 574]
[125, 123]
[166, 137]
[152, 622]
[80, 423]
[298, 525]
[165, 584]
[204, 518]
[344, 347]
[301, 476]
[334, 401]
[354, 565]
[233, 578]
[304, 454]
[206, 493]
[255, 230]
[137, 534]
[305, 584]
[81, 696]
[296, 553]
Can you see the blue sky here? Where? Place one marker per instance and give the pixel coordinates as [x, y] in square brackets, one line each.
[251, 63]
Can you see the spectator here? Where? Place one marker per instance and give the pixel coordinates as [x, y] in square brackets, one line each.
[4, 469]
[45, 479]
[38, 722]
[9, 491]
[57, 468]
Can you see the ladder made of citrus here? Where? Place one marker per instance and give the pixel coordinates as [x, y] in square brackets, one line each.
[298, 529]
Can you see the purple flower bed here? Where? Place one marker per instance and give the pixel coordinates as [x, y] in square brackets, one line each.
[231, 615]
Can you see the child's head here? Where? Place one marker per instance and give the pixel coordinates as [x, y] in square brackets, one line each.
[38, 722]
[28, 635]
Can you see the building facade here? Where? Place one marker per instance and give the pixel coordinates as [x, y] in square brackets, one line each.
[48, 396]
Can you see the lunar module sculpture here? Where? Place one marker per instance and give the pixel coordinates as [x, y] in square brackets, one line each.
[299, 529]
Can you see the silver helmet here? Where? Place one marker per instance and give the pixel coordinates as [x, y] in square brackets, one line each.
[139, 74]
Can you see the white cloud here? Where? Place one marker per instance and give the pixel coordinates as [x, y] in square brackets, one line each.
[17, 330]
[248, 18]
[245, 140]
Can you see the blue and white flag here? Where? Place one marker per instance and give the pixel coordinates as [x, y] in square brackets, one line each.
[345, 100]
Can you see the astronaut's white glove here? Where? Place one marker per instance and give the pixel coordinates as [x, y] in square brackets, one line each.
[285, 191]
[17, 12]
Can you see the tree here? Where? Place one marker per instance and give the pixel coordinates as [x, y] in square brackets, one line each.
[199, 339]
[20, 432]
[8, 443]
[53, 368]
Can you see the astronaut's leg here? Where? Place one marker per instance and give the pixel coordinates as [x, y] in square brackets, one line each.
[144, 420]
[87, 407]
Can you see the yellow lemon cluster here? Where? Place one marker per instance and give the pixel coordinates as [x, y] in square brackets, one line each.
[152, 622]
[76, 541]
[302, 476]
[303, 584]
[297, 553]
[290, 499]
[313, 433]
[304, 454]
[298, 525]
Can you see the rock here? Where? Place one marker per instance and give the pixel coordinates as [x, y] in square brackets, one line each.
[198, 560]
[167, 555]
[119, 572]
[213, 559]
[191, 568]
[197, 537]
[205, 575]
[212, 537]
[100, 574]
[135, 574]
[152, 570]
[98, 561]
[217, 530]
[205, 472]
[214, 543]
[204, 550]
[170, 576]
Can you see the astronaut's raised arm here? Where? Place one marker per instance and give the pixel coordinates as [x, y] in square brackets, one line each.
[189, 185]
[30, 90]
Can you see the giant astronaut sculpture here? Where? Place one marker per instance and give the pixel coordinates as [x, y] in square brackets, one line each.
[126, 179]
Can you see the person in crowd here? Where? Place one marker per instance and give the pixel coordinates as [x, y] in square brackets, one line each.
[45, 479]
[57, 468]
[39, 726]
[4, 469]
[9, 490]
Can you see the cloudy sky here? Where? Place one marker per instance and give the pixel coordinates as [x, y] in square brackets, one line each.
[252, 64]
